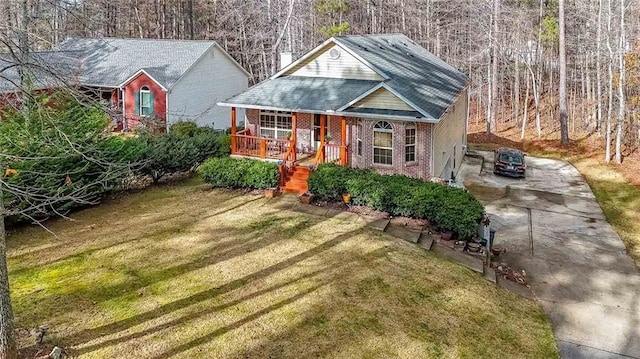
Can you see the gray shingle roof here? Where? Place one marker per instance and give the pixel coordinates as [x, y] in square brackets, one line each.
[419, 76]
[427, 83]
[111, 61]
[48, 69]
[106, 62]
[303, 93]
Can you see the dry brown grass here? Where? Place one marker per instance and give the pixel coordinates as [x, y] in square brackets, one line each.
[175, 271]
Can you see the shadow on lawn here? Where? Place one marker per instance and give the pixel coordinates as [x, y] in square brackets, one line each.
[92, 334]
[191, 218]
[244, 242]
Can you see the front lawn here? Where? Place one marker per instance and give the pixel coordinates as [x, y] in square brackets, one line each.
[179, 272]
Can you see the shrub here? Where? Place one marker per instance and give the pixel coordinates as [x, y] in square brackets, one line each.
[183, 129]
[63, 155]
[449, 208]
[181, 150]
[230, 172]
[166, 154]
[328, 182]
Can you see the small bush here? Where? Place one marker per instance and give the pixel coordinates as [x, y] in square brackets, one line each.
[329, 182]
[230, 172]
[183, 129]
[451, 209]
[181, 150]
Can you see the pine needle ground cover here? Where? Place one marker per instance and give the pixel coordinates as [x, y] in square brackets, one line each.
[176, 271]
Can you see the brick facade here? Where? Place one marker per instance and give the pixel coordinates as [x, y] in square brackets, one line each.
[417, 169]
[421, 168]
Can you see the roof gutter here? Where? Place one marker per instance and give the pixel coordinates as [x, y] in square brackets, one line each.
[332, 113]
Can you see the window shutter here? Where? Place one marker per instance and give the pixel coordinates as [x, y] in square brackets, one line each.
[137, 101]
[151, 103]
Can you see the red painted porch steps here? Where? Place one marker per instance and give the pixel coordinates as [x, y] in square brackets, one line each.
[296, 180]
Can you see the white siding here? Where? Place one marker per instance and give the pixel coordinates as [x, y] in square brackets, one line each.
[384, 99]
[448, 134]
[214, 78]
[345, 66]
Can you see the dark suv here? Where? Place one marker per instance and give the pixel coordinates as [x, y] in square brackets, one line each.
[509, 162]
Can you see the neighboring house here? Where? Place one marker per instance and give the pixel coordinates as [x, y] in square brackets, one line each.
[164, 80]
[387, 104]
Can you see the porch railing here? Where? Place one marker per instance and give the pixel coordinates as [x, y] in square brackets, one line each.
[242, 143]
[328, 153]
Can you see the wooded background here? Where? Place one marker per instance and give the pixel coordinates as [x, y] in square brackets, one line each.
[508, 48]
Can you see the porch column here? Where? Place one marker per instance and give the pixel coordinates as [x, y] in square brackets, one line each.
[294, 135]
[233, 130]
[323, 130]
[343, 148]
[323, 127]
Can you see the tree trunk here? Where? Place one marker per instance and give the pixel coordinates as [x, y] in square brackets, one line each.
[516, 92]
[538, 81]
[562, 91]
[23, 44]
[621, 83]
[494, 68]
[526, 109]
[7, 342]
[607, 136]
[598, 68]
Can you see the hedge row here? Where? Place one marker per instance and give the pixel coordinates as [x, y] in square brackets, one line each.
[65, 156]
[183, 149]
[451, 209]
[230, 172]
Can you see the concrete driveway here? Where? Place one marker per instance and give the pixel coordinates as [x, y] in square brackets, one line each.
[553, 228]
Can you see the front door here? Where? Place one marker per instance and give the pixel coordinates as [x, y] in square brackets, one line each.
[316, 130]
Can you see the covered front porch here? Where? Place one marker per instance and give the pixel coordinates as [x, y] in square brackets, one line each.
[280, 140]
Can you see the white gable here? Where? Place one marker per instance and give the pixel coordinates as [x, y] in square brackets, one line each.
[383, 99]
[334, 62]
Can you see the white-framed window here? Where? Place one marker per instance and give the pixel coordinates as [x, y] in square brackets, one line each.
[383, 143]
[275, 124]
[410, 134]
[359, 138]
[146, 106]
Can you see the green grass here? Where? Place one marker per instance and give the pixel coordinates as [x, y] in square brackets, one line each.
[175, 271]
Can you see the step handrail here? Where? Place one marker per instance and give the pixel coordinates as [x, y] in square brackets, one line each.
[287, 162]
[319, 158]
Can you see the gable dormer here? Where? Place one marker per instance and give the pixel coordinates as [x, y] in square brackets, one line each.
[382, 99]
[333, 61]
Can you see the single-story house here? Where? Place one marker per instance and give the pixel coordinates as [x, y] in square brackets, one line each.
[370, 101]
[164, 80]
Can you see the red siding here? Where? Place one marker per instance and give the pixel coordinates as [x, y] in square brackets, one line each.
[159, 100]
